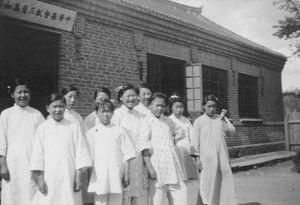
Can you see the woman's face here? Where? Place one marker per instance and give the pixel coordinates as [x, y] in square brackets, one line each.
[21, 95]
[177, 109]
[101, 96]
[56, 110]
[71, 99]
[129, 99]
[158, 106]
[144, 96]
[210, 108]
[105, 115]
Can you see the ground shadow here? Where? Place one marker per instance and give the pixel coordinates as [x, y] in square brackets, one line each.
[251, 203]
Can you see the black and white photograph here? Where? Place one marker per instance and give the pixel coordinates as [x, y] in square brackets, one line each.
[150, 102]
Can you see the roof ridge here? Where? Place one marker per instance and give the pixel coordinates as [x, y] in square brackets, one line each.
[137, 4]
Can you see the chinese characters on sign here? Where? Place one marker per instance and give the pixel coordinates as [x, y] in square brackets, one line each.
[38, 12]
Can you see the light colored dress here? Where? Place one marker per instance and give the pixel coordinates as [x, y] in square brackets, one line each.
[59, 150]
[130, 120]
[110, 148]
[157, 135]
[142, 109]
[90, 121]
[216, 180]
[17, 130]
[74, 117]
[183, 147]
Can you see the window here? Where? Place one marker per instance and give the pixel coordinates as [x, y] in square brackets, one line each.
[194, 88]
[214, 82]
[165, 74]
[247, 96]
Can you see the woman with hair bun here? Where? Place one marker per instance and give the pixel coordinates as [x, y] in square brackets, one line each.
[129, 119]
[210, 151]
[71, 94]
[18, 125]
[183, 145]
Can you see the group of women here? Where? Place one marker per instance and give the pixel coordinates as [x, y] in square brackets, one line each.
[131, 155]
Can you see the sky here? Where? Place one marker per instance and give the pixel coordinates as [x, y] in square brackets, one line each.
[254, 20]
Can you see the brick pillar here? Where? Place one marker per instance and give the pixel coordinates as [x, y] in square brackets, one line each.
[232, 90]
[140, 55]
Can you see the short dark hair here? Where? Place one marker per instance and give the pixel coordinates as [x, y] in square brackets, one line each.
[102, 90]
[211, 97]
[121, 90]
[158, 95]
[69, 88]
[54, 97]
[106, 104]
[19, 81]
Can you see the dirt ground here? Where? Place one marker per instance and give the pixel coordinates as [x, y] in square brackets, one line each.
[272, 185]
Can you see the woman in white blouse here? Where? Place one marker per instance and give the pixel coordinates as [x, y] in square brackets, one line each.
[100, 95]
[71, 94]
[183, 145]
[18, 125]
[129, 119]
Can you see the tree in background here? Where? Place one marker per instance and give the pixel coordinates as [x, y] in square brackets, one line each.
[289, 27]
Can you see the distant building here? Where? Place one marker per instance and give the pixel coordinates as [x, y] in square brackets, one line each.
[168, 45]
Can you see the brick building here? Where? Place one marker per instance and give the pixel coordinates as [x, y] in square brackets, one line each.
[168, 45]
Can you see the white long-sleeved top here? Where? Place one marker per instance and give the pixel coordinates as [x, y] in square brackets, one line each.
[17, 129]
[142, 109]
[130, 121]
[207, 141]
[59, 150]
[110, 148]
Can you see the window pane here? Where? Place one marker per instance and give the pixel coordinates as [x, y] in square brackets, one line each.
[189, 82]
[190, 94]
[197, 94]
[196, 70]
[197, 82]
[198, 105]
[189, 71]
[190, 105]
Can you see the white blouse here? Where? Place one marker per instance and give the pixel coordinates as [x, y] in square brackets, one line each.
[142, 109]
[110, 148]
[74, 117]
[186, 127]
[59, 150]
[17, 130]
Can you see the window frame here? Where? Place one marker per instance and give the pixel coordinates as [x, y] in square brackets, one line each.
[218, 79]
[248, 96]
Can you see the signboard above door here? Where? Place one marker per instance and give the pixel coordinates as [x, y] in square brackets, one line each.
[39, 12]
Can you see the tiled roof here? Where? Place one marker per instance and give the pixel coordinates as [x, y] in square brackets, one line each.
[191, 16]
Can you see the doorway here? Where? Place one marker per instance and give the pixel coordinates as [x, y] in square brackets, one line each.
[32, 55]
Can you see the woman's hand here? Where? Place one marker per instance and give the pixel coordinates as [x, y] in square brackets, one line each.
[43, 188]
[223, 113]
[4, 172]
[198, 164]
[152, 173]
[126, 179]
[77, 182]
[38, 177]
